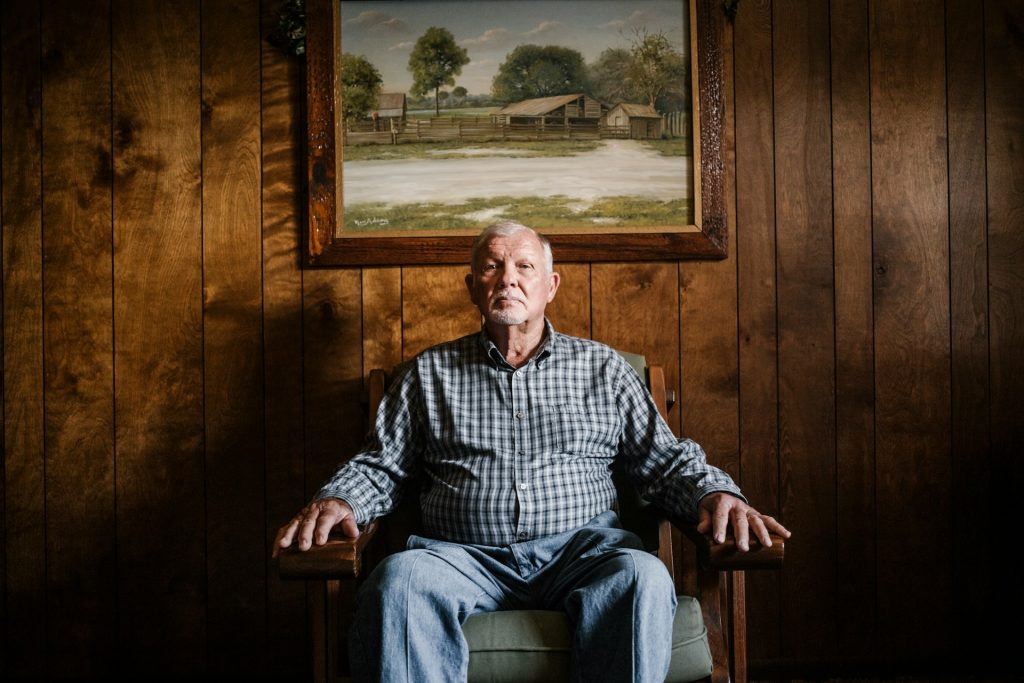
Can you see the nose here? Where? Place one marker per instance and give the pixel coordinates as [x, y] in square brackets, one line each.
[509, 276]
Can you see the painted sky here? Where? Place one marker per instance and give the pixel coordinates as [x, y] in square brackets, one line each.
[385, 32]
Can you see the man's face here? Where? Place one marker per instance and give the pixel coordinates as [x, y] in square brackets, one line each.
[510, 282]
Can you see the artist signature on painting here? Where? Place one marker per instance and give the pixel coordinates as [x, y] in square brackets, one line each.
[364, 222]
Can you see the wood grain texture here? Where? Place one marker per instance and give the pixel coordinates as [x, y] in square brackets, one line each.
[570, 310]
[382, 318]
[968, 263]
[708, 403]
[332, 355]
[1004, 123]
[756, 313]
[282, 167]
[911, 257]
[24, 511]
[158, 337]
[854, 329]
[635, 308]
[435, 307]
[232, 336]
[806, 322]
[78, 352]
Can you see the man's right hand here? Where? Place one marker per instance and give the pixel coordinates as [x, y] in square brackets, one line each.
[314, 522]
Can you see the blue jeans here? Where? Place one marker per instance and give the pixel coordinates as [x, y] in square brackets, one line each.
[619, 598]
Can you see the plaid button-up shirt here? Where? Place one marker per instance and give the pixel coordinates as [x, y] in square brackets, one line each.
[514, 454]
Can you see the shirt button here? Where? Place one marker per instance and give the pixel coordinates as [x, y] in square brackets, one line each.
[523, 535]
[523, 487]
[519, 415]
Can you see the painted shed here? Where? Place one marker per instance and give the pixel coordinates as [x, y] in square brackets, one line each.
[643, 121]
[391, 107]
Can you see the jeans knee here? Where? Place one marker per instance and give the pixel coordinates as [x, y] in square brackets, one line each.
[650, 574]
[394, 577]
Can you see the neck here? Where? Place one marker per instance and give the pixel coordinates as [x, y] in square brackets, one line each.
[517, 343]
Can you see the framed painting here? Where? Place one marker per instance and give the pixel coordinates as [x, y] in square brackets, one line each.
[597, 122]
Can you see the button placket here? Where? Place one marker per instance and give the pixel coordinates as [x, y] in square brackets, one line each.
[519, 472]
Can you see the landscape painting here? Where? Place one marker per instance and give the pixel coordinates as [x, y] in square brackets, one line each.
[572, 116]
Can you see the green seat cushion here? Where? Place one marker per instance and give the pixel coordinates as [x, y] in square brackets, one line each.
[534, 645]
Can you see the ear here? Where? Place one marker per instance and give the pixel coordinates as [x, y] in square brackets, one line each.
[556, 279]
[469, 284]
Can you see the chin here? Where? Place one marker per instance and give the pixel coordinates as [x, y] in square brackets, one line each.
[506, 318]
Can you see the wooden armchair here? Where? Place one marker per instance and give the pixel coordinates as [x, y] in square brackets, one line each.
[709, 635]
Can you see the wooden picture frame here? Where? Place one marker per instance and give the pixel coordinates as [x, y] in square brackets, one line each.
[323, 247]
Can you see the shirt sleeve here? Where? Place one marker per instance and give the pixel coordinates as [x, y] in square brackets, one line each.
[373, 481]
[671, 472]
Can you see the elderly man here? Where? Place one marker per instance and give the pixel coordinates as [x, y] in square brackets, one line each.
[515, 430]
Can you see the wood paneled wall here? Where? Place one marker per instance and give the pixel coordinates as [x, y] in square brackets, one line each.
[175, 386]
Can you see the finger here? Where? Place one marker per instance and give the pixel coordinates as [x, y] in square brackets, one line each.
[306, 527]
[286, 535]
[349, 526]
[740, 528]
[704, 522]
[776, 528]
[757, 525]
[324, 523]
[720, 523]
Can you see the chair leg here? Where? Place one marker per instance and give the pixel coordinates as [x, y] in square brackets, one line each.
[738, 626]
[711, 589]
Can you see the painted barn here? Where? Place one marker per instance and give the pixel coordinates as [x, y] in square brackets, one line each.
[391, 107]
[557, 110]
[643, 121]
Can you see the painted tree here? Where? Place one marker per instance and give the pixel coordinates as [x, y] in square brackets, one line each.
[657, 68]
[360, 87]
[533, 71]
[608, 76]
[459, 93]
[436, 60]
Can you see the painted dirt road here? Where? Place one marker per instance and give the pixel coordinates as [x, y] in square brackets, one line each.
[617, 167]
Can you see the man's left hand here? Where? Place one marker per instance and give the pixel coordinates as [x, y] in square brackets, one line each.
[720, 510]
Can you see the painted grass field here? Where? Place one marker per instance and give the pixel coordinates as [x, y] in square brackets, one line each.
[552, 184]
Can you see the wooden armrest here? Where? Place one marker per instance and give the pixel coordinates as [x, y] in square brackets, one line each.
[339, 558]
[727, 557]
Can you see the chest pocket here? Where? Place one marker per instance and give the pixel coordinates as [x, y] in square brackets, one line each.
[576, 430]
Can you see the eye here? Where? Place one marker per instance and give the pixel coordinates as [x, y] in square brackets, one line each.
[526, 266]
[490, 266]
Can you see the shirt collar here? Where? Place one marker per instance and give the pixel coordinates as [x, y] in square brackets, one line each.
[550, 344]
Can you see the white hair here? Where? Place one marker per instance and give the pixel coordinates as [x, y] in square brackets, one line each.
[507, 229]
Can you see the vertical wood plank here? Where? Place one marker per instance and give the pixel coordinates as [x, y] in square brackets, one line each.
[332, 352]
[709, 372]
[382, 318]
[283, 167]
[911, 257]
[232, 337]
[806, 319]
[24, 534]
[435, 307]
[569, 312]
[78, 339]
[755, 264]
[1004, 117]
[636, 308]
[968, 263]
[855, 454]
[158, 337]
